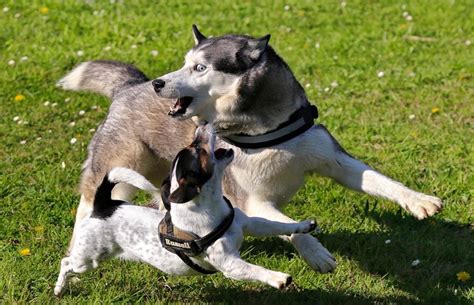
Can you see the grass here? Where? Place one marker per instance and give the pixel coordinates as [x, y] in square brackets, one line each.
[415, 124]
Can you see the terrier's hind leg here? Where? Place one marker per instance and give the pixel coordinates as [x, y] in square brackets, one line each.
[64, 274]
[84, 210]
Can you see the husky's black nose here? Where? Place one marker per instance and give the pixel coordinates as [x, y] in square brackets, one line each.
[158, 84]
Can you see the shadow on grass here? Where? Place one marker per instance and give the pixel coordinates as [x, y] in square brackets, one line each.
[443, 249]
[272, 296]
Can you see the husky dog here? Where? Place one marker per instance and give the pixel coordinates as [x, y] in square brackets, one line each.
[258, 108]
[197, 210]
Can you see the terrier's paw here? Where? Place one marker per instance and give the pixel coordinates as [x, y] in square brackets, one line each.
[422, 206]
[58, 291]
[281, 280]
[307, 226]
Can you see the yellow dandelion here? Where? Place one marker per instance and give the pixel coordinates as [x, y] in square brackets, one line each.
[39, 229]
[44, 10]
[25, 252]
[463, 276]
[19, 97]
[435, 110]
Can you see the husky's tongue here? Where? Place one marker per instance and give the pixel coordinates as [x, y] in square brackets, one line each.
[181, 105]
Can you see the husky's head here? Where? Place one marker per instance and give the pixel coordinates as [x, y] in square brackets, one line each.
[231, 81]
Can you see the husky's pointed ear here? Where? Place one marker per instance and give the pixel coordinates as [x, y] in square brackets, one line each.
[198, 37]
[184, 193]
[258, 47]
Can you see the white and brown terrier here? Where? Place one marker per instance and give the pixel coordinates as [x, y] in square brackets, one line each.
[201, 233]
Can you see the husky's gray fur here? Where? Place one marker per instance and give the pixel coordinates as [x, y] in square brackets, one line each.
[242, 86]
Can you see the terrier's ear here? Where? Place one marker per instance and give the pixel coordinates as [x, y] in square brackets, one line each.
[184, 193]
[258, 46]
[165, 192]
[198, 37]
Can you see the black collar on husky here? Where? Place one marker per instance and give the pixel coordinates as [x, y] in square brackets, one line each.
[186, 244]
[299, 121]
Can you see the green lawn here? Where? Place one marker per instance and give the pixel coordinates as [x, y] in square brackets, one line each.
[415, 124]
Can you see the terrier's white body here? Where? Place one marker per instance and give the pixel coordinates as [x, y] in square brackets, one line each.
[131, 232]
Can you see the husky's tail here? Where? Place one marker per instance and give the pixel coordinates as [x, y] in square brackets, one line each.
[102, 76]
[126, 175]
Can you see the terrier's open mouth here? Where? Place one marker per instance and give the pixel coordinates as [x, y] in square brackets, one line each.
[222, 153]
[181, 105]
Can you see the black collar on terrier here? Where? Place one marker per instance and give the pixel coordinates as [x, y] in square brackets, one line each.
[186, 244]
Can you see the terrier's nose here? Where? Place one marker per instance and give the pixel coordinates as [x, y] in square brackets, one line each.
[158, 84]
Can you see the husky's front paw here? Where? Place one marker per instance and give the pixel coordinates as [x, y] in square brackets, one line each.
[422, 206]
[314, 253]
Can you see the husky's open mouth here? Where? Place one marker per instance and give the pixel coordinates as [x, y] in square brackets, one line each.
[181, 105]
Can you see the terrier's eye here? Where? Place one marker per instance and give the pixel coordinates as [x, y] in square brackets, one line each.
[200, 68]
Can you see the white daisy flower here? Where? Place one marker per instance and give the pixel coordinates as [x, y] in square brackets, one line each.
[334, 84]
[415, 263]
[82, 112]
[17, 15]
[107, 48]
[24, 58]
[286, 8]
[46, 103]
[16, 118]
[133, 46]
[154, 52]
[380, 74]
[411, 116]
[5, 9]
[23, 142]
[72, 124]
[73, 141]
[63, 165]
[11, 62]
[388, 241]
[80, 53]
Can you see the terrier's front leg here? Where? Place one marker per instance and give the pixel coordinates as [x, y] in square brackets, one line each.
[262, 227]
[232, 266]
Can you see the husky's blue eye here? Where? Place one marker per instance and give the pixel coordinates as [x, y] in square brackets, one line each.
[200, 68]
